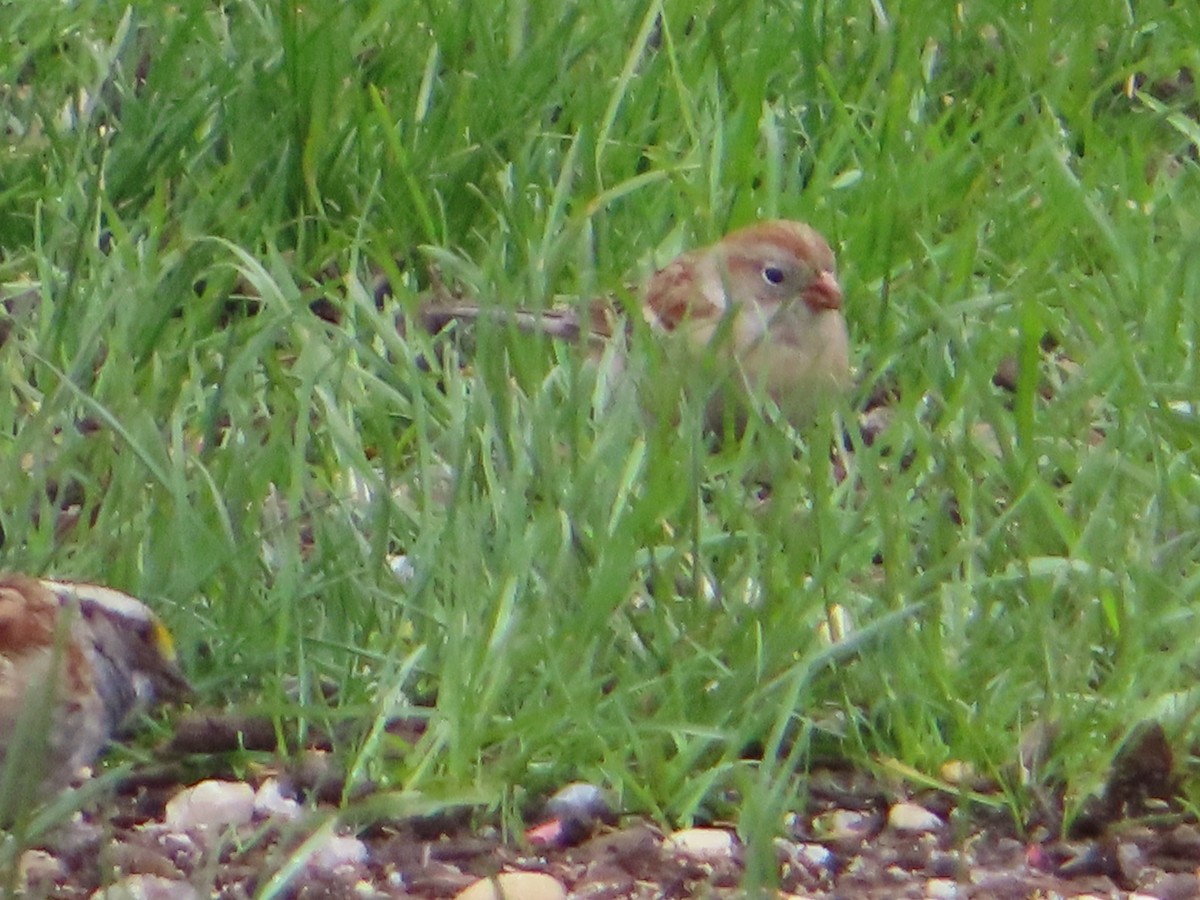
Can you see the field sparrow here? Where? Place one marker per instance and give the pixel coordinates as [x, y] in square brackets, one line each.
[760, 310]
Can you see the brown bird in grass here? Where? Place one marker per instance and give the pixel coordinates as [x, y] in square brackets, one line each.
[77, 661]
[760, 310]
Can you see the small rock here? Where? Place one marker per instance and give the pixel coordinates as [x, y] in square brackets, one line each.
[603, 879]
[147, 887]
[401, 567]
[813, 859]
[817, 856]
[1131, 861]
[1183, 841]
[338, 851]
[941, 889]
[436, 879]
[1007, 883]
[40, 869]
[944, 865]
[363, 889]
[1175, 886]
[1086, 860]
[709, 844]
[627, 847]
[574, 811]
[579, 801]
[133, 858]
[843, 824]
[515, 886]
[270, 802]
[181, 848]
[909, 818]
[958, 773]
[211, 805]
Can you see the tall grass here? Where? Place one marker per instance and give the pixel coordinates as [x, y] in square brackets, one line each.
[594, 592]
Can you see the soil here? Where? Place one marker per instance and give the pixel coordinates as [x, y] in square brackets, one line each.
[849, 842]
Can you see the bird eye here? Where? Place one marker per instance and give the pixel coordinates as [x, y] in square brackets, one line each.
[772, 275]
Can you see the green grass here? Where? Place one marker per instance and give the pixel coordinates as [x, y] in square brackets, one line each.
[597, 594]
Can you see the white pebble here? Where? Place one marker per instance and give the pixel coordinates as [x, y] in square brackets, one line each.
[703, 843]
[579, 801]
[909, 818]
[941, 889]
[39, 867]
[211, 805]
[338, 851]
[817, 856]
[514, 886]
[271, 803]
[147, 887]
[402, 568]
[810, 857]
[842, 824]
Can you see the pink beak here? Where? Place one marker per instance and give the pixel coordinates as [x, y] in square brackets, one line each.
[823, 293]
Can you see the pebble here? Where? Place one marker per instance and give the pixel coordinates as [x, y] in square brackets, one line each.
[338, 851]
[211, 805]
[1089, 859]
[147, 887]
[842, 824]
[401, 568]
[134, 858]
[270, 802]
[958, 773]
[573, 811]
[579, 801]
[178, 846]
[1184, 841]
[514, 886]
[40, 868]
[815, 859]
[710, 844]
[817, 855]
[1131, 861]
[909, 818]
[941, 889]
[1176, 886]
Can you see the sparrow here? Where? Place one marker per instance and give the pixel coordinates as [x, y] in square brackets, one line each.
[762, 307]
[77, 662]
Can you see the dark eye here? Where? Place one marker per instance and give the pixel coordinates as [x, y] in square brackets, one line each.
[772, 275]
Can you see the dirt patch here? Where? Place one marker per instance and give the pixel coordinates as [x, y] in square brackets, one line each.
[848, 842]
